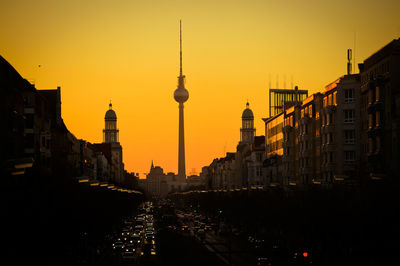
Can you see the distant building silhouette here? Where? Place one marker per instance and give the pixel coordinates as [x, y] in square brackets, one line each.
[111, 136]
[247, 132]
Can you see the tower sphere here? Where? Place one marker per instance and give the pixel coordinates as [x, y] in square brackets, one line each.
[181, 95]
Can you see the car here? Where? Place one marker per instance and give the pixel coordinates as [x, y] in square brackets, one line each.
[261, 261]
[185, 228]
[118, 245]
[128, 255]
[153, 252]
[207, 228]
[135, 238]
[130, 247]
[301, 256]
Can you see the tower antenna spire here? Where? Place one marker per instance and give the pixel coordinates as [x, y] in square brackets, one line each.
[180, 51]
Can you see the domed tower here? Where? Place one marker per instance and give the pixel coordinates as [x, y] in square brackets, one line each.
[247, 132]
[110, 132]
[181, 95]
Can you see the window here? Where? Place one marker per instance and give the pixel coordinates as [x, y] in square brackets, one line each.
[348, 95]
[349, 156]
[330, 119]
[378, 118]
[378, 143]
[370, 96]
[258, 171]
[349, 116]
[377, 93]
[370, 145]
[334, 98]
[370, 121]
[330, 157]
[349, 136]
[330, 135]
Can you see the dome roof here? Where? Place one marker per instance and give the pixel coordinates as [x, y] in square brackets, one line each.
[247, 113]
[110, 114]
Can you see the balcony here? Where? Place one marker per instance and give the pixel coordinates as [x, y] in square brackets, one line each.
[329, 147]
[29, 110]
[371, 108]
[328, 128]
[287, 129]
[378, 104]
[304, 137]
[329, 109]
[375, 131]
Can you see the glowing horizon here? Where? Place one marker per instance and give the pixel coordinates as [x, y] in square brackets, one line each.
[128, 52]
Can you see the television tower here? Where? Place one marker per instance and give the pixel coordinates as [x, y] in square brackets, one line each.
[181, 95]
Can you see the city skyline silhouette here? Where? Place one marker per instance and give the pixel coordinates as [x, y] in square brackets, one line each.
[128, 53]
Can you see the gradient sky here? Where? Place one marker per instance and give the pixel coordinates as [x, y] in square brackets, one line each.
[128, 52]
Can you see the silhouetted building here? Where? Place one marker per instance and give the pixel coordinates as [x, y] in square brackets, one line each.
[380, 113]
[256, 175]
[111, 136]
[158, 184]
[273, 149]
[247, 132]
[340, 130]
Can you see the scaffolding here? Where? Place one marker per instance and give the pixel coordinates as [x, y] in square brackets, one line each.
[281, 99]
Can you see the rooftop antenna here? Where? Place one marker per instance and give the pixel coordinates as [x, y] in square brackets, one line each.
[277, 81]
[354, 57]
[269, 80]
[349, 55]
[284, 81]
[291, 81]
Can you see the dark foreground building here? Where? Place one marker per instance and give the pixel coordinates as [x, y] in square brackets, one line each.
[380, 113]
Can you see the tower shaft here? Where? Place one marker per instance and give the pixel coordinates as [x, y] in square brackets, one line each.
[181, 153]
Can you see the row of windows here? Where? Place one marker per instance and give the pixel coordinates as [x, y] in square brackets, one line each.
[330, 99]
[275, 130]
[373, 73]
[307, 111]
[276, 145]
[111, 125]
[374, 95]
[374, 144]
[289, 121]
[247, 124]
[374, 120]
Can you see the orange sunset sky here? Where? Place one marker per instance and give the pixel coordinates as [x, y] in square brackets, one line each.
[128, 52]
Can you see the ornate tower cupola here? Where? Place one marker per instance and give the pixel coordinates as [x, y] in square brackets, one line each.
[110, 132]
[247, 132]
